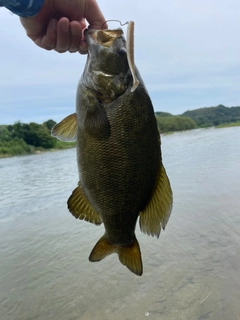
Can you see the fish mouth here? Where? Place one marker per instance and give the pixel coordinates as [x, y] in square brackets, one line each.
[102, 37]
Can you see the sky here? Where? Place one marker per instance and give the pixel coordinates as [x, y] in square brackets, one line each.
[188, 54]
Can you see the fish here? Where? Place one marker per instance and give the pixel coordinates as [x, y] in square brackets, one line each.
[121, 174]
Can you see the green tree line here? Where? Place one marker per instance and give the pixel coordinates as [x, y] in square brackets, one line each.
[174, 123]
[23, 138]
[214, 116]
[199, 118]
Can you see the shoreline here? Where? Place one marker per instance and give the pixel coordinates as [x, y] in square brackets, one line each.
[3, 156]
[40, 151]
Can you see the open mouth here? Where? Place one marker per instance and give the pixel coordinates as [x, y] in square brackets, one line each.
[102, 37]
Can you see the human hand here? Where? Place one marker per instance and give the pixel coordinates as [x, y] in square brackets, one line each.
[59, 24]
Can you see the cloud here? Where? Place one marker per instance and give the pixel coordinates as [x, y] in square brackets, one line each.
[187, 53]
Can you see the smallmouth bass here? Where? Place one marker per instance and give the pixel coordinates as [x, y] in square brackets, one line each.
[118, 151]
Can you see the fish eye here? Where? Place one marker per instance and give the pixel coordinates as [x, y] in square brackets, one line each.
[122, 52]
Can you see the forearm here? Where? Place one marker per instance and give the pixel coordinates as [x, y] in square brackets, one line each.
[23, 8]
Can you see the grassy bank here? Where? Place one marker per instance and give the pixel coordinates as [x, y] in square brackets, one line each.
[231, 124]
[20, 148]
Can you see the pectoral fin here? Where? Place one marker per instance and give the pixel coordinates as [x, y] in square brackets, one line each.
[81, 209]
[66, 130]
[97, 124]
[156, 214]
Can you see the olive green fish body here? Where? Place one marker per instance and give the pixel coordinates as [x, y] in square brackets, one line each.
[118, 152]
[118, 170]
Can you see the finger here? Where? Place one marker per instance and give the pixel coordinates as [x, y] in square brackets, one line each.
[76, 36]
[63, 35]
[48, 41]
[83, 23]
[83, 48]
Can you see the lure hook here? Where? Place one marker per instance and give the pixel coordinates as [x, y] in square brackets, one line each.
[113, 20]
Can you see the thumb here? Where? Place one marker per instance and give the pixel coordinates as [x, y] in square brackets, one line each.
[94, 16]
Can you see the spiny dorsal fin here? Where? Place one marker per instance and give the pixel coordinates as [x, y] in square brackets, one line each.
[156, 214]
[81, 209]
[66, 130]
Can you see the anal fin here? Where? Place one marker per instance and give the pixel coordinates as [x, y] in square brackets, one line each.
[157, 212]
[80, 207]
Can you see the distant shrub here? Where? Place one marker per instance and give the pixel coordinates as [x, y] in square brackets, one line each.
[174, 123]
[14, 147]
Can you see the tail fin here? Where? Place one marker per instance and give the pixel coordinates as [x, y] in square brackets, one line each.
[131, 257]
[128, 256]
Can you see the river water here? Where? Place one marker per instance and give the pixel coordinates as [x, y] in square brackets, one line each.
[192, 272]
